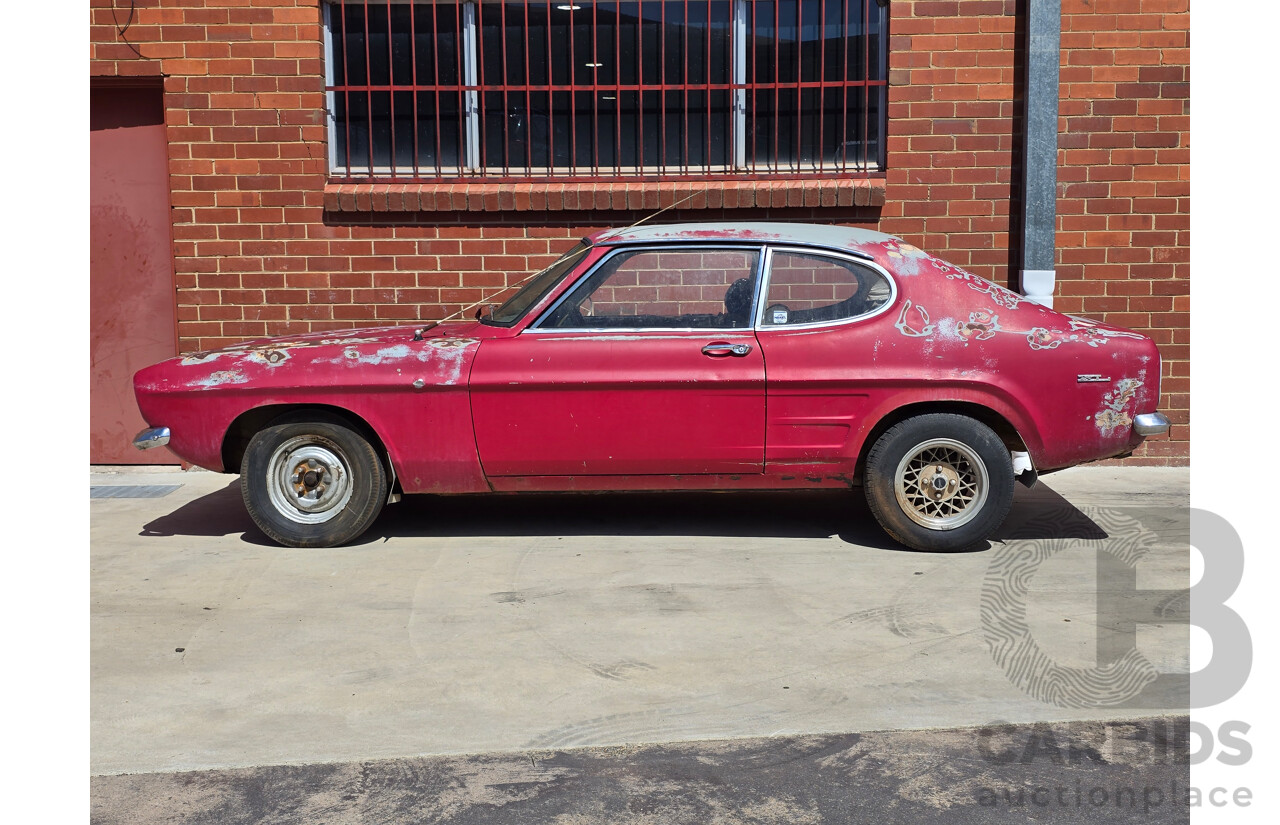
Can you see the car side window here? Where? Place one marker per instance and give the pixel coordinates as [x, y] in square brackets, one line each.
[809, 288]
[693, 287]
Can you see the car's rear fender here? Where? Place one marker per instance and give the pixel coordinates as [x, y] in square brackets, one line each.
[1012, 423]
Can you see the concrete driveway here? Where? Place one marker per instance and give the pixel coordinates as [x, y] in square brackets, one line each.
[549, 622]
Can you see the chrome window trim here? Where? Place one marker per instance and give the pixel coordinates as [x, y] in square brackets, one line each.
[819, 252]
[759, 249]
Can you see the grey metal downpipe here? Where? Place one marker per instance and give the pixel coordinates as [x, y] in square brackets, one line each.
[1040, 150]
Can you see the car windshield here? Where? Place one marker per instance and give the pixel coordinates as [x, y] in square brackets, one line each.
[517, 305]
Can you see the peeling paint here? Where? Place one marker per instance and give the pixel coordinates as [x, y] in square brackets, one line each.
[283, 344]
[451, 343]
[220, 378]
[981, 326]
[904, 257]
[731, 233]
[201, 358]
[913, 321]
[1114, 417]
[351, 355]
[1041, 338]
[1091, 327]
[949, 330]
[449, 352]
[270, 357]
[454, 356]
[275, 351]
[1082, 331]
[1004, 297]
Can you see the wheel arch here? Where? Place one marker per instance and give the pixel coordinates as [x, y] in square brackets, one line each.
[998, 423]
[242, 429]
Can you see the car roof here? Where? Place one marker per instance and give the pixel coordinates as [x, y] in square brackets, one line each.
[833, 237]
[814, 234]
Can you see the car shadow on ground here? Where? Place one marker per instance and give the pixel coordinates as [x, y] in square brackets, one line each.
[1038, 513]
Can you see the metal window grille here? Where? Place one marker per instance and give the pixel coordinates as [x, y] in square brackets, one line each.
[645, 90]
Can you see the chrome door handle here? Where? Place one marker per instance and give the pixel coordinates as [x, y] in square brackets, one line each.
[720, 350]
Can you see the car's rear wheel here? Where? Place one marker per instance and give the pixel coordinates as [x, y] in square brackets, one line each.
[939, 482]
[312, 483]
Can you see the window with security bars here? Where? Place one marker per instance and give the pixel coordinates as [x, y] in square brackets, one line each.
[569, 90]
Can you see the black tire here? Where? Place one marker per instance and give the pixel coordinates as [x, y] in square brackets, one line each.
[315, 483]
[939, 482]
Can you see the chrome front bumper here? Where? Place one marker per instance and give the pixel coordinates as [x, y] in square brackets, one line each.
[152, 437]
[1151, 424]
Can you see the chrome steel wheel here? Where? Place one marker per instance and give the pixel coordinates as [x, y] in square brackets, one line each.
[941, 484]
[308, 479]
[311, 480]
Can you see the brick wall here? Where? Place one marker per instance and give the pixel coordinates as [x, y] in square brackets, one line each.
[1123, 178]
[262, 246]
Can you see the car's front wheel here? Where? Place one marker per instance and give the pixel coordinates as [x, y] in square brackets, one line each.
[939, 482]
[312, 483]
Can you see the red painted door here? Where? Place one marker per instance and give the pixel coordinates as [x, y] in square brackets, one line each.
[619, 403]
[647, 366]
[130, 265]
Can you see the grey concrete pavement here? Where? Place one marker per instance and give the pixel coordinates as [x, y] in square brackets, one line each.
[547, 622]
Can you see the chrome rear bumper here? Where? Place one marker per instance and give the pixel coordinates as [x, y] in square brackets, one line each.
[1151, 424]
[152, 437]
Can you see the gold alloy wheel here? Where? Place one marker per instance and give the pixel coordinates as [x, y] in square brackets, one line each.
[941, 484]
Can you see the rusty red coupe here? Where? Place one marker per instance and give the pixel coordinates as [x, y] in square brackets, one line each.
[685, 357]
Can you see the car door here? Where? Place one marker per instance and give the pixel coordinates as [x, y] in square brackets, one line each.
[648, 365]
[820, 334]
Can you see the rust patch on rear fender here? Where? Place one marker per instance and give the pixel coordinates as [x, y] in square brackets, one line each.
[1081, 331]
[913, 321]
[904, 257]
[981, 326]
[1115, 417]
[1004, 297]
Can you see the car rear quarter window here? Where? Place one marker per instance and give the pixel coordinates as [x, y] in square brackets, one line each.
[807, 288]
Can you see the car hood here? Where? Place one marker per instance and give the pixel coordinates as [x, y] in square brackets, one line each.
[390, 335]
[424, 354]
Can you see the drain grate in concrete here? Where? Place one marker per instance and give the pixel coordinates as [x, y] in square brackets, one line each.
[131, 491]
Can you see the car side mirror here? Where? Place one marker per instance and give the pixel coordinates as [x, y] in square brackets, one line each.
[485, 311]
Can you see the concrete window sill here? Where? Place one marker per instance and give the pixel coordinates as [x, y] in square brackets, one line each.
[601, 195]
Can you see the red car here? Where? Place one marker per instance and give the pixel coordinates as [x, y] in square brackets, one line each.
[686, 357]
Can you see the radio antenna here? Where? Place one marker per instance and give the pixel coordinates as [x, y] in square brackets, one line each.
[650, 216]
[585, 246]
